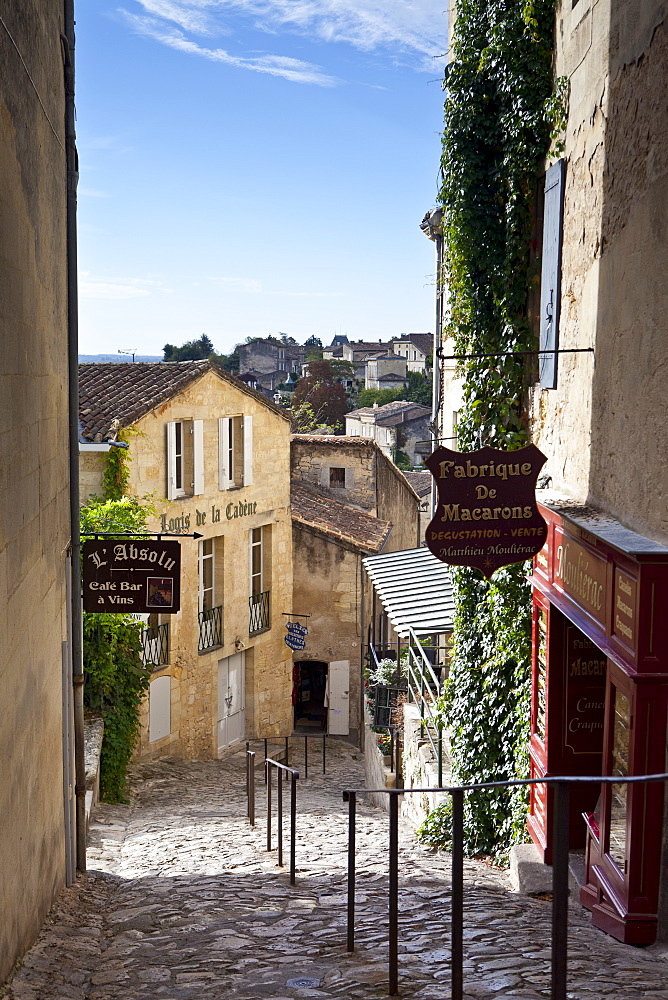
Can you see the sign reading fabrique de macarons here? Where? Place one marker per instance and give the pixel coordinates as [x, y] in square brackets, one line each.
[486, 516]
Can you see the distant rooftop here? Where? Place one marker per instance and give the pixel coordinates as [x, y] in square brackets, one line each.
[357, 528]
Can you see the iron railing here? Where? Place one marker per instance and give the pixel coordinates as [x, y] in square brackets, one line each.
[559, 943]
[259, 613]
[285, 741]
[210, 628]
[155, 645]
[294, 775]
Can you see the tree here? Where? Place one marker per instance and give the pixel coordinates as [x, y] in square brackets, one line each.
[192, 350]
[321, 390]
[313, 341]
[115, 678]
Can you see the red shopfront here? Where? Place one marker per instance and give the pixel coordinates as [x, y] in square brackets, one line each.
[600, 706]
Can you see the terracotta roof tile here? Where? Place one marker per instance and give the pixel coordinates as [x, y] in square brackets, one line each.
[111, 392]
[338, 519]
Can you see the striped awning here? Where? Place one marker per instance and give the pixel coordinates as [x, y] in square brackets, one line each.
[415, 589]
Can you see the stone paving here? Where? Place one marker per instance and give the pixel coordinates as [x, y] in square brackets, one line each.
[182, 902]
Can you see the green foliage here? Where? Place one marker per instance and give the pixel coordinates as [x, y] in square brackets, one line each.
[192, 350]
[115, 680]
[116, 475]
[436, 831]
[418, 390]
[499, 117]
[402, 461]
[305, 420]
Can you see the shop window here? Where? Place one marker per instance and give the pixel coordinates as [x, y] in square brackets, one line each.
[235, 452]
[541, 672]
[185, 458]
[619, 769]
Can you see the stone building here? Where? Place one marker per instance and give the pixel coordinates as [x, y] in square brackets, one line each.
[348, 501]
[271, 357]
[219, 453]
[385, 371]
[415, 348]
[398, 426]
[36, 795]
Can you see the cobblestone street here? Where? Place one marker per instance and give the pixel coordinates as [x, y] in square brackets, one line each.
[182, 901]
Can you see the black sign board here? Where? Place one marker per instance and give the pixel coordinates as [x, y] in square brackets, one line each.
[135, 577]
[487, 516]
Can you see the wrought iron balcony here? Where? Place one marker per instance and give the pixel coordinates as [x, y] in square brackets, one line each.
[259, 613]
[210, 628]
[155, 645]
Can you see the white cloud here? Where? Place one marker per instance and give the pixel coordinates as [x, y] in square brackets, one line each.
[116, 289]
[417, 28]
[295, 70]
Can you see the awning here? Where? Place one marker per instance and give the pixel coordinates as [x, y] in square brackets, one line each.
[415, 589]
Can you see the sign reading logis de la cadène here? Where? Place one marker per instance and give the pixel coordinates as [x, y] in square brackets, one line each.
[487, 516]
[132, 576]
[232, 510]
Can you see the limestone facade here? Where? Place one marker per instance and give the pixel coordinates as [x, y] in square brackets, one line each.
[34, 478]
[199, 702]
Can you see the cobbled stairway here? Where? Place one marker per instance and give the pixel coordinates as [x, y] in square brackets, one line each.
[183, 901]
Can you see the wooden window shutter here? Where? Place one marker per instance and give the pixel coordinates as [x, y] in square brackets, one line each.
[171, 460]
[550, 289]
[248, 451]
[198, 457]
[223, 454]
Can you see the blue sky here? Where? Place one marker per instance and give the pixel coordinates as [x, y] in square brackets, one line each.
[255, 166]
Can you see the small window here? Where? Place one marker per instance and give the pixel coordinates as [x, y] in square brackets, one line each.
[337, 478]
[260, 559]
[235, 452]
[185, 458]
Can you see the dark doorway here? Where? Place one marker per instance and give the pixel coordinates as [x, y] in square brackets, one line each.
[309, 695]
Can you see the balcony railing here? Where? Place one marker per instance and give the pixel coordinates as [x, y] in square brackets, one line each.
[210, 628]
[259, 613]
[155, 645]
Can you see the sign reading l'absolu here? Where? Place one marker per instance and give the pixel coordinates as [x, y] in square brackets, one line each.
[487, 516]
[132, 576]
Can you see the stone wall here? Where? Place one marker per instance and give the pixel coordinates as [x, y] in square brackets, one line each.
[34, 479]
[313, 456]
[597, 426]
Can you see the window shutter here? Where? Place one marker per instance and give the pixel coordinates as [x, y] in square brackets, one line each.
[248, 451]
[223, 437]
[198, 457]
[171, 460]
[550, 289]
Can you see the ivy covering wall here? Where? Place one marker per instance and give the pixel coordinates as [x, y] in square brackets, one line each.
[500, 112]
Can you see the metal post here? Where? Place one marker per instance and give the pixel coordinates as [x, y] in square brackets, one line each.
[324, 741]
[393, 892]
[397, 763]
[265, 760]
[306, 757]
[440, 757]
[352, 801]
[560, 890]
[392, 734]
[457, 916]
[280, 816]
[247, 780]
[287, 752]
[293, 827]
[267, 781]
[251, 787]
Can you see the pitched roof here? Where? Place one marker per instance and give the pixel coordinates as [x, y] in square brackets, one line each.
[391, 377]
[390, 414]
[347, 524]
[120, 394]
[423, 341]
[420, 481]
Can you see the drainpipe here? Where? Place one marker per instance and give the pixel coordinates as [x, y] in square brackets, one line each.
[431, 227]
[73, 366]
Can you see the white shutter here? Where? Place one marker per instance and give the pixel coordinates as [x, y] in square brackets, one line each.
[248, 451]
[223, 438]
[171, 460]
[198, 457]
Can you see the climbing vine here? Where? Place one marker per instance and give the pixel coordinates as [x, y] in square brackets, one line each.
[500, 114]
[115, 678]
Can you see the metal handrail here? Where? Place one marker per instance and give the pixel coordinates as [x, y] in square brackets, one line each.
[210, 628]
[562, 785]
[294, 775]
[259, 619]
[155, 645]
[295, 736]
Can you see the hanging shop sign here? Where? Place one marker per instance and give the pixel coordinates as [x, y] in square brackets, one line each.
[487, 516]
[296, 635]
[132, 576]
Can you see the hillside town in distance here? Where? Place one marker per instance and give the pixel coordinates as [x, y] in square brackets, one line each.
[335, 667]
